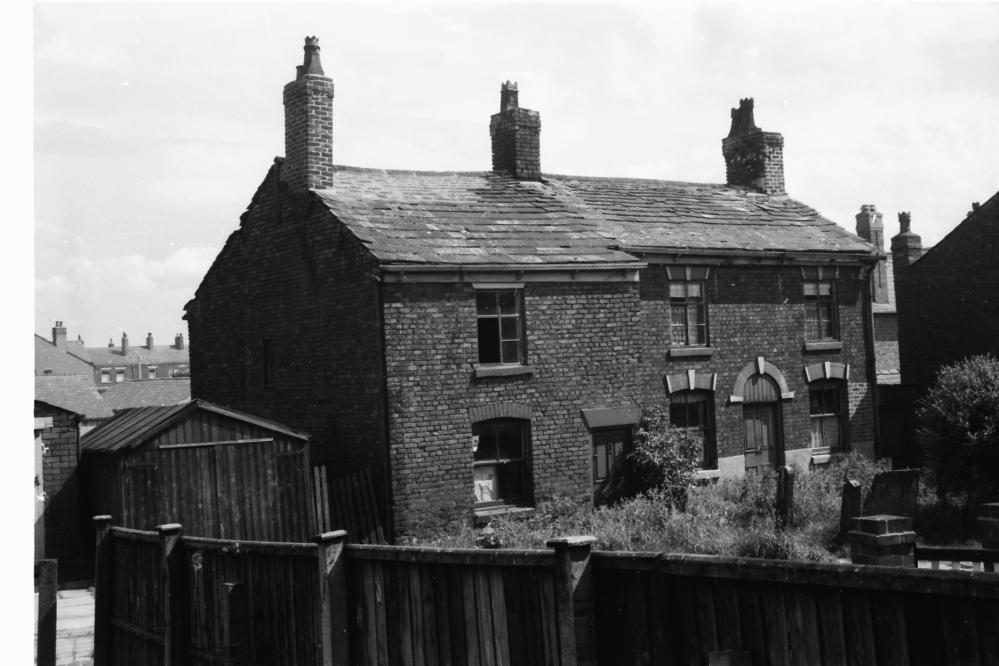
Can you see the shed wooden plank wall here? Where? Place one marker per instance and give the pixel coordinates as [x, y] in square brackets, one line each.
[252, 491]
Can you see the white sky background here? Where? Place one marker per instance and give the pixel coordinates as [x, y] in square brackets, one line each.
[154, 123]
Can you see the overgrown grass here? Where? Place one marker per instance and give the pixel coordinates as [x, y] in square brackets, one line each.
[733, 517]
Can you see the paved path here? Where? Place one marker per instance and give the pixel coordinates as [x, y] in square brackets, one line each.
[74, 627]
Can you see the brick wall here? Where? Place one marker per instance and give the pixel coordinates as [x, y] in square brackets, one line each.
[948, 307]
[583, 341]
[886, 341]
[291, 276]
[59, 472]
[759, 311]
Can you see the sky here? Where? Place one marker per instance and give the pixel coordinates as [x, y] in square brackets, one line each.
[153, 124]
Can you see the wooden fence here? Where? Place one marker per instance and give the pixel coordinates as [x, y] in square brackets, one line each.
[162, 598]
[167, 599]
[678, 609]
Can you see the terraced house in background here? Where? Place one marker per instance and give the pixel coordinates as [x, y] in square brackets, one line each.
[483, 340]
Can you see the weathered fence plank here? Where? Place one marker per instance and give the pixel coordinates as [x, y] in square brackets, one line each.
[46, 579]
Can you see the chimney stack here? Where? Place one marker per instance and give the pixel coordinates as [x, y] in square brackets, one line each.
[906, 246]
[872, 229]
[754, 159]
[149, 340]
[110, 343]
[124, 344]
[59, 335]
[308, 125]
[516, 136]
[178, 341]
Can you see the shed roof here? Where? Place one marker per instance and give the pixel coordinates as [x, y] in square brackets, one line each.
[490, 218]
[133, 427]
[75, 393]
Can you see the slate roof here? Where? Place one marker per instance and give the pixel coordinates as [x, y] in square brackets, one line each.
[488, 218]
[132, 427]
[147, 393]
[75, 393]
[52, 360]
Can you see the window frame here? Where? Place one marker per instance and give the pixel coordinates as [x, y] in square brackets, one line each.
[685, 277]
[709, 450]
[523, 462]
[106, 376]
[500, 341]
[119, 375]
[829, 386]
[815, 325]
[151, 371]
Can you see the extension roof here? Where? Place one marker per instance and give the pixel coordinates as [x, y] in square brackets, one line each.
[133, 427]
[74, 393]
[490, 218]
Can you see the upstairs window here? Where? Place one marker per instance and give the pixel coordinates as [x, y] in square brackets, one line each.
[688, 309]
[500, 461]
[820, 305]
[105, 375]
[825, 411]
[152, 371]
[500, 321]
[119, 375]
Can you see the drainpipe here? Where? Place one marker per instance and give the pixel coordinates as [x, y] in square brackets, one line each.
[871, 359]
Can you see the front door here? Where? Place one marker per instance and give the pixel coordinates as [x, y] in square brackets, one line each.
[762, 433]
[609, 447]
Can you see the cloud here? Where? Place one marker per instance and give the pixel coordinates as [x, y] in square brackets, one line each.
[128, 292]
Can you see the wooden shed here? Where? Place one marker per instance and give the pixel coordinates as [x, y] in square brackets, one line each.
[218, 472]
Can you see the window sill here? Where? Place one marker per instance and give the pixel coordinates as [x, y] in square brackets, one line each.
[482, 516]
[824, 345]
[684, 352]
[502, 370]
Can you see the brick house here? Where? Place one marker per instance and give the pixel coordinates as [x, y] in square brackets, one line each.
[947, 304]
[66, 406]
[484, 340]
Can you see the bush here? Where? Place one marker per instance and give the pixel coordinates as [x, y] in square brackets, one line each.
[664, 458]
[958, 427]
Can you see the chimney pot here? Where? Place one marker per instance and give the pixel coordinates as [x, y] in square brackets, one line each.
[754, 159]
[124, 344]
[110, 343]
[906, 246]
[178, 341]
[308, 125]
[149, 340]
[58, 334]
[516, 136]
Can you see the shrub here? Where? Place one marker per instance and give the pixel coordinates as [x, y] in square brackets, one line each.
[958, 427]
[664, 458]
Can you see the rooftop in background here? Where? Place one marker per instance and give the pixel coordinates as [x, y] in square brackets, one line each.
[148, 393]
[74, 393]
[63, 360]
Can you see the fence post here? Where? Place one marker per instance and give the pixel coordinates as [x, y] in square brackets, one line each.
[333, 598]
[173, 600]
[47, 577]
[574, 599]
[850, 507]
[785, 496]
[883, 540]
[102, 588]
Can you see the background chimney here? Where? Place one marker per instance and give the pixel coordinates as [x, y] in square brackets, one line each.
[110, 343]
[754, 159]
[906, 246]
[124, 344]
[516, 136]
[149, 340]
[178, 341]
[59, 334]
[872, 229]
[308, 125]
